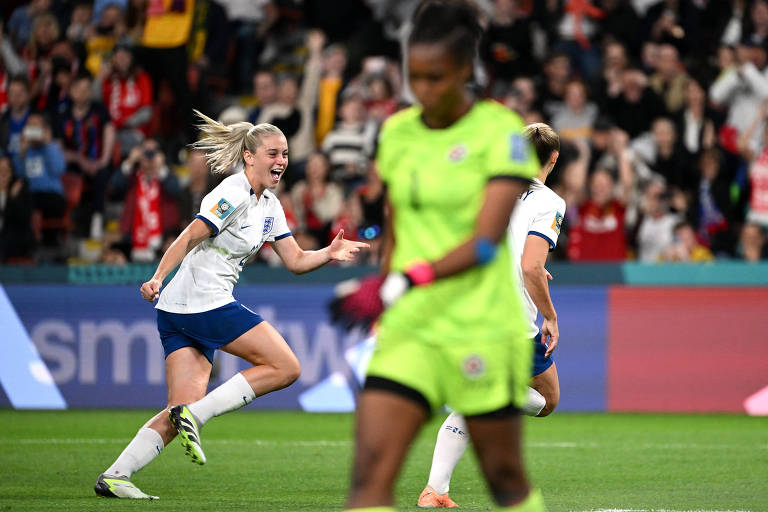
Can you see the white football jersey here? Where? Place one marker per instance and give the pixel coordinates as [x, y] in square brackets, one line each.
[241, 224]
[539, 212]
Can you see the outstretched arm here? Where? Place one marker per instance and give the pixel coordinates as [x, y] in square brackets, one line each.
[196, 232]
[300, 261]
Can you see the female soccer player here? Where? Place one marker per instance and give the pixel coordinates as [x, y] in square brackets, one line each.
[533, 232]
[197, 314]
[454, 331]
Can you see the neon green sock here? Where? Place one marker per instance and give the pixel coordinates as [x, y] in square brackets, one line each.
[533, 503]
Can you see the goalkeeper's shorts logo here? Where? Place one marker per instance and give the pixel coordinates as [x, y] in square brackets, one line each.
[474, 367]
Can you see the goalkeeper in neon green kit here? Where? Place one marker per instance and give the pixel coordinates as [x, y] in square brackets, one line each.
[454, 331]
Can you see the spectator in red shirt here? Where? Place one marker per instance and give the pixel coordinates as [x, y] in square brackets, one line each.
[598, 233]
[127, 93]
[151, 201]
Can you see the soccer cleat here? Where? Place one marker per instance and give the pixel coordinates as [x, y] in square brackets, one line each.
[111, 486]
[186, 423]
[429, 498]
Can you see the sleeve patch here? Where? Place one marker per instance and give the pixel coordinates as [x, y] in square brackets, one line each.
[222, 209]
[518, 148]
[557, 223]
[268, 224]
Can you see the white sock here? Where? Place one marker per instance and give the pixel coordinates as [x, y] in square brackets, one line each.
[232, 395]
[451, 442]
[535, 403]
[140, 451]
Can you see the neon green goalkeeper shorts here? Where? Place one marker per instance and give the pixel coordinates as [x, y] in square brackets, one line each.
[472, 377]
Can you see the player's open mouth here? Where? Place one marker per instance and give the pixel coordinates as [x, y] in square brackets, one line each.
[276, 173]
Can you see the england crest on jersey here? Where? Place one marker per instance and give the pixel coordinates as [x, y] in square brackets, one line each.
[268, 223]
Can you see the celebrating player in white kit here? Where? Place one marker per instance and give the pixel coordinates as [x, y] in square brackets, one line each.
[197, 314]
[533, 231]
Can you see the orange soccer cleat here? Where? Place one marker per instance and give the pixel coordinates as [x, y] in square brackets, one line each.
[430, 499]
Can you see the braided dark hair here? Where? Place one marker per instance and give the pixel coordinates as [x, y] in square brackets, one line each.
[454, 23]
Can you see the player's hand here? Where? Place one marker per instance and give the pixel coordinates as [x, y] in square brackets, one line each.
[344, 250]
[394, 286]
[151, 290]
[397, 283]
[550, 334]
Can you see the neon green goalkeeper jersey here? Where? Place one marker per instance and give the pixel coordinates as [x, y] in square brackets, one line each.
[436, 181]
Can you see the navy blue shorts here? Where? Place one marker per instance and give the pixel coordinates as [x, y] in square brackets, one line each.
[540, 361]
[205, 331]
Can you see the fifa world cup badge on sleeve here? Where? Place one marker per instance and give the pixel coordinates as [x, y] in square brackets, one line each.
[222, 208]
[557, 223]
[518, 148]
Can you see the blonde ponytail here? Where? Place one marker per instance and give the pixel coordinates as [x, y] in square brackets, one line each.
[224, 145]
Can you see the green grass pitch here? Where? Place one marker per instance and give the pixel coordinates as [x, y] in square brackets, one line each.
[291, 461]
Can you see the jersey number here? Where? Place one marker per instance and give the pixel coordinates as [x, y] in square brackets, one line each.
[242, 261]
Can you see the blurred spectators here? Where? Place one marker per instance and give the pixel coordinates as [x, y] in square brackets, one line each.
[87, 136]
[575, 118]
[655, 232]
[17, 241]
[200, 182]
[695, 125]
[126, 92]
[10, 65]
[334, 64]
[741, 88]
[151, 201]
[752, 243]
[248, 21]
[276, 102]
[13, 120]
[507, 46]
[758, 167]
[108, 28]
[316, 200]
[41, 164]
[669, 79]
[22, 20]
[686, 247]
[712, 208]
[350, 143]
[659, 103]
[597, 232]
[636, 106]
[163, 54]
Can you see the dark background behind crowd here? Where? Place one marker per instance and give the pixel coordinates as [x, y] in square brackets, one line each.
[660, 105]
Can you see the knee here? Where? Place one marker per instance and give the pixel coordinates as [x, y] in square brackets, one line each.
[505, 480]
[290, 372]
[552, 400]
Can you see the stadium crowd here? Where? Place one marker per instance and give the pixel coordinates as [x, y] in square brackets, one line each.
[660, 105]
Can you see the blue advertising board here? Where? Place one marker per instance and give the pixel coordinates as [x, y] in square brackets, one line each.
[102, 348]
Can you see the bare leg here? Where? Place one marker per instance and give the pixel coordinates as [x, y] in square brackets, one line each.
[548, 385]
[275, 366]
[381, 445]
[186, 374]
[497, 444]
